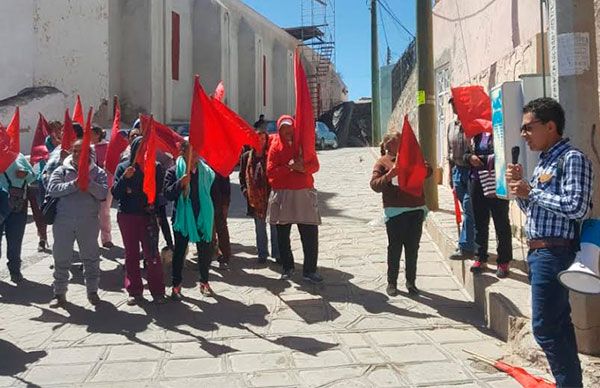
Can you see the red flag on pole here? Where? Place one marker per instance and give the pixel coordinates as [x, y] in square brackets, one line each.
[7, 156]
[149, 185]
[68, 133]
[78, 112]
[233, 119]
[219, 92]
[117, 144]
[305, 119]
[457, 212]
[218, 143]
[167, 140]
[83, 170]
[13, 129]
[410, 162]
[473, 109]
[38, 146]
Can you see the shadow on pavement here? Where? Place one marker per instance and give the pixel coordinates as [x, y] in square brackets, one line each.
[25, 294]
[15, 360]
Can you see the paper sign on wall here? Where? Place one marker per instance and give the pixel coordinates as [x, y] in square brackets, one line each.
[573, 53]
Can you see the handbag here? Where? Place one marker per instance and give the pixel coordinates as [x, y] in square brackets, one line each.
[17, 196]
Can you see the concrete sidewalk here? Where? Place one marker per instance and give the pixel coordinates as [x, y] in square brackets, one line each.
[259, 331]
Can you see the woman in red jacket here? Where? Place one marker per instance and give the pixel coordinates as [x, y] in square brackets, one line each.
[293, 200]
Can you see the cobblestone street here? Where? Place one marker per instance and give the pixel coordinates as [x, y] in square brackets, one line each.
[258, 330]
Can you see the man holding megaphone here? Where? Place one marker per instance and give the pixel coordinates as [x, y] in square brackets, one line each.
[555, 200]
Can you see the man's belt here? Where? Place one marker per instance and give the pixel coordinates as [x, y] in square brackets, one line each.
[549, 243]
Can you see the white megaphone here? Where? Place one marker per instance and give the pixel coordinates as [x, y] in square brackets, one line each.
[584, 274]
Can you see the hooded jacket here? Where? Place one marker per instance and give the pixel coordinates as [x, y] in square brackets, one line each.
[281, 176]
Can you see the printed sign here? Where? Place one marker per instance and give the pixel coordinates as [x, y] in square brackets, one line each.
[499, 142]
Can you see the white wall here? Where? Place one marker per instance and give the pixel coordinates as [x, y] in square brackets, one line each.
[17, 46]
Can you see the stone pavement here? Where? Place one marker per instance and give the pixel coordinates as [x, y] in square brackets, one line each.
[258, 330]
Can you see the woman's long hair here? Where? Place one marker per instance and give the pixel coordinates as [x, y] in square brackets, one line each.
[386, 138]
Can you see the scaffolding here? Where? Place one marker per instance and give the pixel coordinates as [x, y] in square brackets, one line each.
[317, 33]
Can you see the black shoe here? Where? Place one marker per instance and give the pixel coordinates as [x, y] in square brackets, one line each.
[412, 290]
[223, 265]
[391, 290]
[16, 277]
[93, 298]
[461, 255]
[287, 275]
[59, 301]
[313, 277]
[262, 260]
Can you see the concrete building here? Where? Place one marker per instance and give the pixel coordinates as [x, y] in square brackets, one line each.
[488, 43]
[146, 52]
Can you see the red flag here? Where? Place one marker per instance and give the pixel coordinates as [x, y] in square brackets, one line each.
[232, 119]
[149, 185]
[117, 144]
[13, 130]
[457, 212]
[219, 92]
[167, 140]
[305, 119]
[78, 112]
[38, 146]
[218, 143]
[68, 133]
[473, 109]
[410, 162]
[7, 156]
[526, 379]
[83, 171]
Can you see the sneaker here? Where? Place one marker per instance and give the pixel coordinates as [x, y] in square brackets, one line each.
[108, 245]
[176, 294]
[223, 265]
[391, 290]
[93, 298]
[42, 246]
[287, 275]
[503, 270]
[17, 277]
[59, 301]
[135, 300]
[159, 299]
[412, 290]
[478, 266]
[459, 254]
[206, 290]
[313, 277]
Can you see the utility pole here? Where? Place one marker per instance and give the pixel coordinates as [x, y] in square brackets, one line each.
[426, 96]
[574, 76]
[375, 124]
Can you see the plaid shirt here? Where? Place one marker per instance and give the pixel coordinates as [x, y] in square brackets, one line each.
[554, 205]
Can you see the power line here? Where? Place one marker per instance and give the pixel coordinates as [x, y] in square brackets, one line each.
[387, 43]
[385, 6]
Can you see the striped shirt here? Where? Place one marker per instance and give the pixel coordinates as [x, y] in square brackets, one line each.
[554, 205]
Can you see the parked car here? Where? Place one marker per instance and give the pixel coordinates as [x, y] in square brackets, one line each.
[271, 126]
[324, 137]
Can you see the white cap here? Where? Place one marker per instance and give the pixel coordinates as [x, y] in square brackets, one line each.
[286, 122]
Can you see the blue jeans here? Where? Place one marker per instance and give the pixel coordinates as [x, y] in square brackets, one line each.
[14, 230]
[460, 180]
[262, 241]
[551, 313]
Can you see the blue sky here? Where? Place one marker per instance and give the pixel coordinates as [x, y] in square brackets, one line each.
[353, 34]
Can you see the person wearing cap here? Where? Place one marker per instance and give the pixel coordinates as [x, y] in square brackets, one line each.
[460, 172]
[58, 155]
[293, 200]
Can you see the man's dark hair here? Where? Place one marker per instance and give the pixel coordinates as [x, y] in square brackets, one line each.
[547, 109]
[78, 130]
[261, 116]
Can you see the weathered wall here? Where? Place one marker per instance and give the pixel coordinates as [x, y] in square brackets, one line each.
[17, 45]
